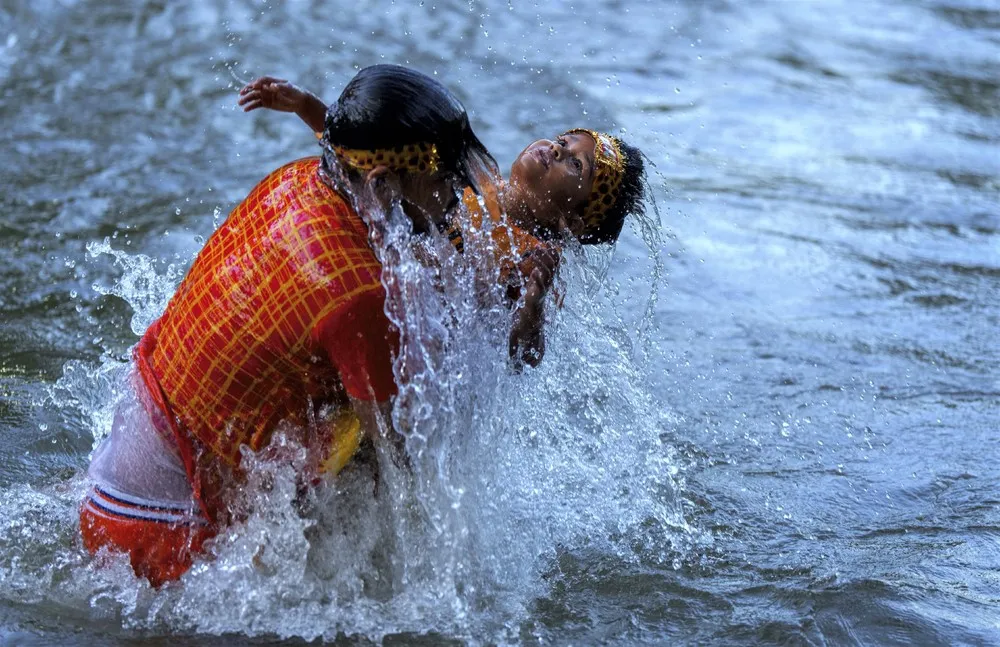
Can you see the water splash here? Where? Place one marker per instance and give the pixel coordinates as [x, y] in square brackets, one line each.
[506, 472]
[145, 289]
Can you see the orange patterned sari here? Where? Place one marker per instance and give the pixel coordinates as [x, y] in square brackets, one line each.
[282, 312]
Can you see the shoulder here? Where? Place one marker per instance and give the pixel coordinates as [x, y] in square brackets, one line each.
[522, 243]
[295, 189]
[292, 178]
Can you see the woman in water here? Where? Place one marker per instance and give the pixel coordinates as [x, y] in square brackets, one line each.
[280, 319]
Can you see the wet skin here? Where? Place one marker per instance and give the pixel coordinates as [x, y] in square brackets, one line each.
[557, 174]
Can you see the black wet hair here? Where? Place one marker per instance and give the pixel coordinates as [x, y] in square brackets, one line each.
[630, 202]
[386, 106]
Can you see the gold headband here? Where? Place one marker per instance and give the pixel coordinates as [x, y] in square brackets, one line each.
[415, 158]
[608, 173]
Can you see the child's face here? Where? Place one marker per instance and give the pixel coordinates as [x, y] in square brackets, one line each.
[554, 177]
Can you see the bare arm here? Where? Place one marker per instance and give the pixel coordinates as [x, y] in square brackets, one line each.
[526, 343]
[278, 94]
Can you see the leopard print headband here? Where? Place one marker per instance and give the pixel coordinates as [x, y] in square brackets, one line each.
[609, 171]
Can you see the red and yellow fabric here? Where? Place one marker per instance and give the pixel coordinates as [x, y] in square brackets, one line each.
[282, 312]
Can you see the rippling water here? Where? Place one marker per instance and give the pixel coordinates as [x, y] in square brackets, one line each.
[801, 445]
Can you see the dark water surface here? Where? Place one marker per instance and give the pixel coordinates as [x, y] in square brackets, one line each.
[820, 377]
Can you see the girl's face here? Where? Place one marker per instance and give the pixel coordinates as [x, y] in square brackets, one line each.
[554, 178]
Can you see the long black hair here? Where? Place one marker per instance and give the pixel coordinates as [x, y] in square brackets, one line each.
[387, 106]
[628, 203]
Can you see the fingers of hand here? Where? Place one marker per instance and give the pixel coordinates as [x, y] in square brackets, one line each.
[533, 349]
[263, 80]
[253, 85]
[546, 258]
[532, 357]
[281, 89]
[253, 95]
[251, 101]
[254, 91]
[543, 259]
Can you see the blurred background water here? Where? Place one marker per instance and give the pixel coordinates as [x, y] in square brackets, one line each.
[800, 446]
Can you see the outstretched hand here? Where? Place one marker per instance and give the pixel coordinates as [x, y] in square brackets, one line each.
[272, 93]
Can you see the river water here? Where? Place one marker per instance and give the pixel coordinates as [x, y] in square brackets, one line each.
[778, 425]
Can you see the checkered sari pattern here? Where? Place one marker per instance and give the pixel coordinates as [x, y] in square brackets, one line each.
[239, 347]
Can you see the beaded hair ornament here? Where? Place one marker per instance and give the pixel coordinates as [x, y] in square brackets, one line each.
[415, 158]
[609, 170]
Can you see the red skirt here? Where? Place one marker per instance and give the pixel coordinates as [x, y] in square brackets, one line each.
[160, 540]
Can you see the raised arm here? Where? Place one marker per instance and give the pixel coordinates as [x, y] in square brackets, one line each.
[278, 94]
